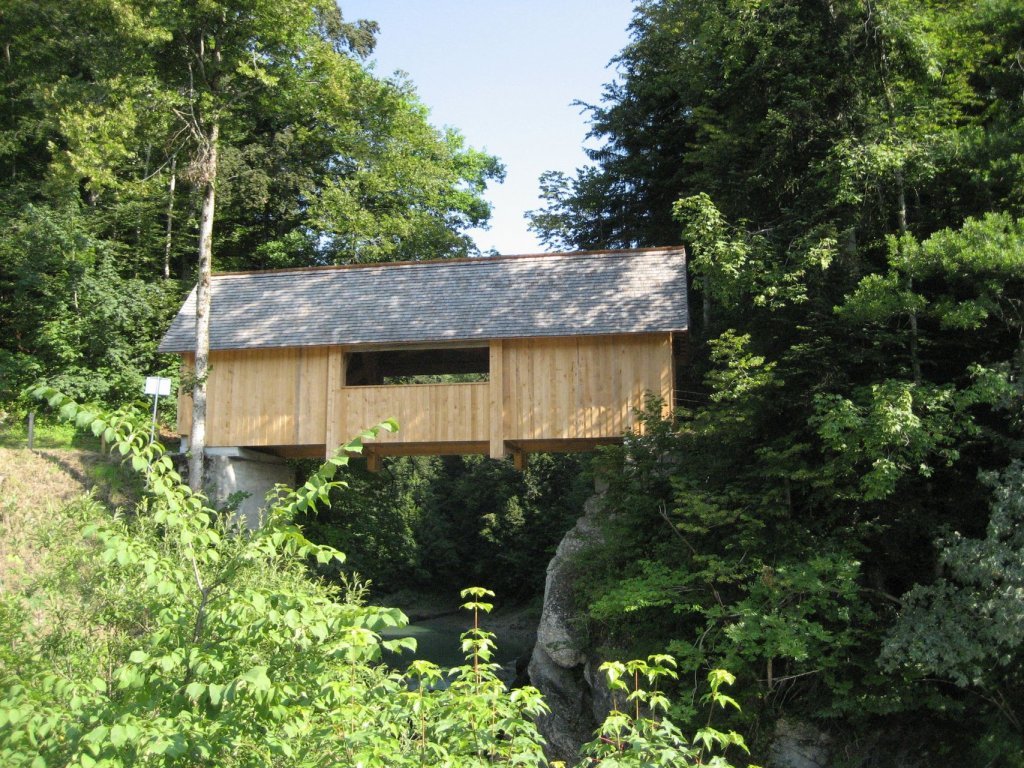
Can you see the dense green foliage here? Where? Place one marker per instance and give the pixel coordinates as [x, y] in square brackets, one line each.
[834, 515]
[168, 636]
[848, 177]
[101, 159]
[431, 524]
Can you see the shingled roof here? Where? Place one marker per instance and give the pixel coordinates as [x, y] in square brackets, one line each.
[560, 294]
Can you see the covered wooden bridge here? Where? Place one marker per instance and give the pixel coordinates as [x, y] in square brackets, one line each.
[498, 356]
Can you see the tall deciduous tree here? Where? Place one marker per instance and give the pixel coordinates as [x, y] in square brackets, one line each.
[214, 63]
[109, 126]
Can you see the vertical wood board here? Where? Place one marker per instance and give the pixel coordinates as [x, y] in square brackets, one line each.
[426, 413]
[267, 397]
[583, 387]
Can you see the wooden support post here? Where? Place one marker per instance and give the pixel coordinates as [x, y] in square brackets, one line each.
[185, 395]
[374, 461]
[670, 399]
[31, 430]
[519, 459]
[335, 381]
[497, 402]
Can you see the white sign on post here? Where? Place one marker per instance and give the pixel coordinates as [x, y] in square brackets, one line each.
[158, 386]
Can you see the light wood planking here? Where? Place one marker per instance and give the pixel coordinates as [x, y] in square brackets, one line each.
[431, 449]
[540, 392]
[584, 387]
[426, 413]
[497, 388]
[271, 397]
[336, 367]
[184, 398]
[311, 422]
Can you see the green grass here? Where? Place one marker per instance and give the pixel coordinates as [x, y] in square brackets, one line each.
[114, 484]
[48, 435]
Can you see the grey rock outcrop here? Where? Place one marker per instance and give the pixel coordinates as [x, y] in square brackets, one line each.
[799, 744]
[568, 674]
[560, 666]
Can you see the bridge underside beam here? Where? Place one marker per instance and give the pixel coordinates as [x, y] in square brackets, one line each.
[519, 450]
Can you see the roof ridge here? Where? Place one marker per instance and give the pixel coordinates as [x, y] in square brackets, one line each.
[451, 262]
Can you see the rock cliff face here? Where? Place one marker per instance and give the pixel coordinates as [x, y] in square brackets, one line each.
[567, 674]
[799, 745]
[560, 667]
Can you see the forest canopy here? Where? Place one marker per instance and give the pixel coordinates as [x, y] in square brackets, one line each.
[834, 512]
[101, 156]
[835, 522]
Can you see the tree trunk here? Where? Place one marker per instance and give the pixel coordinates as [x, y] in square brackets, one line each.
[901, 209]
[705, 294]
[915, 358]
[170, 219]
[140, 224]
[198, 436]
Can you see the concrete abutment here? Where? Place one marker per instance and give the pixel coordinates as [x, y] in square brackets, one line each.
[230, 473]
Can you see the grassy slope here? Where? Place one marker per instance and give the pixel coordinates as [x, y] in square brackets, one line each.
[35, 487]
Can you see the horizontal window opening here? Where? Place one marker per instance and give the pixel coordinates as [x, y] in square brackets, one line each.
[419, 366]
[438, 378]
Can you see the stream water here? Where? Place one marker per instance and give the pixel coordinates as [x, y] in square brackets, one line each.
[437, 640]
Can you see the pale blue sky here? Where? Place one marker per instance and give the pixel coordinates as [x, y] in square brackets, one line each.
[505, 73]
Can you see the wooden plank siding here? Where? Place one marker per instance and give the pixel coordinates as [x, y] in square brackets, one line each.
[496, 405]
[188, 365]
[542, 394]
[336, 373]
[263, 397]
[426, 413]
[581, 388]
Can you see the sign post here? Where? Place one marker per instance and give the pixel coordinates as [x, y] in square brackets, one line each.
[157, 387]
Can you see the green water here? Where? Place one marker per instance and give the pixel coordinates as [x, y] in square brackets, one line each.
[437, 640]
[439, 644]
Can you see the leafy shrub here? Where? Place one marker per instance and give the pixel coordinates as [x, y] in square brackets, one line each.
[195, 642]
[205, 644]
